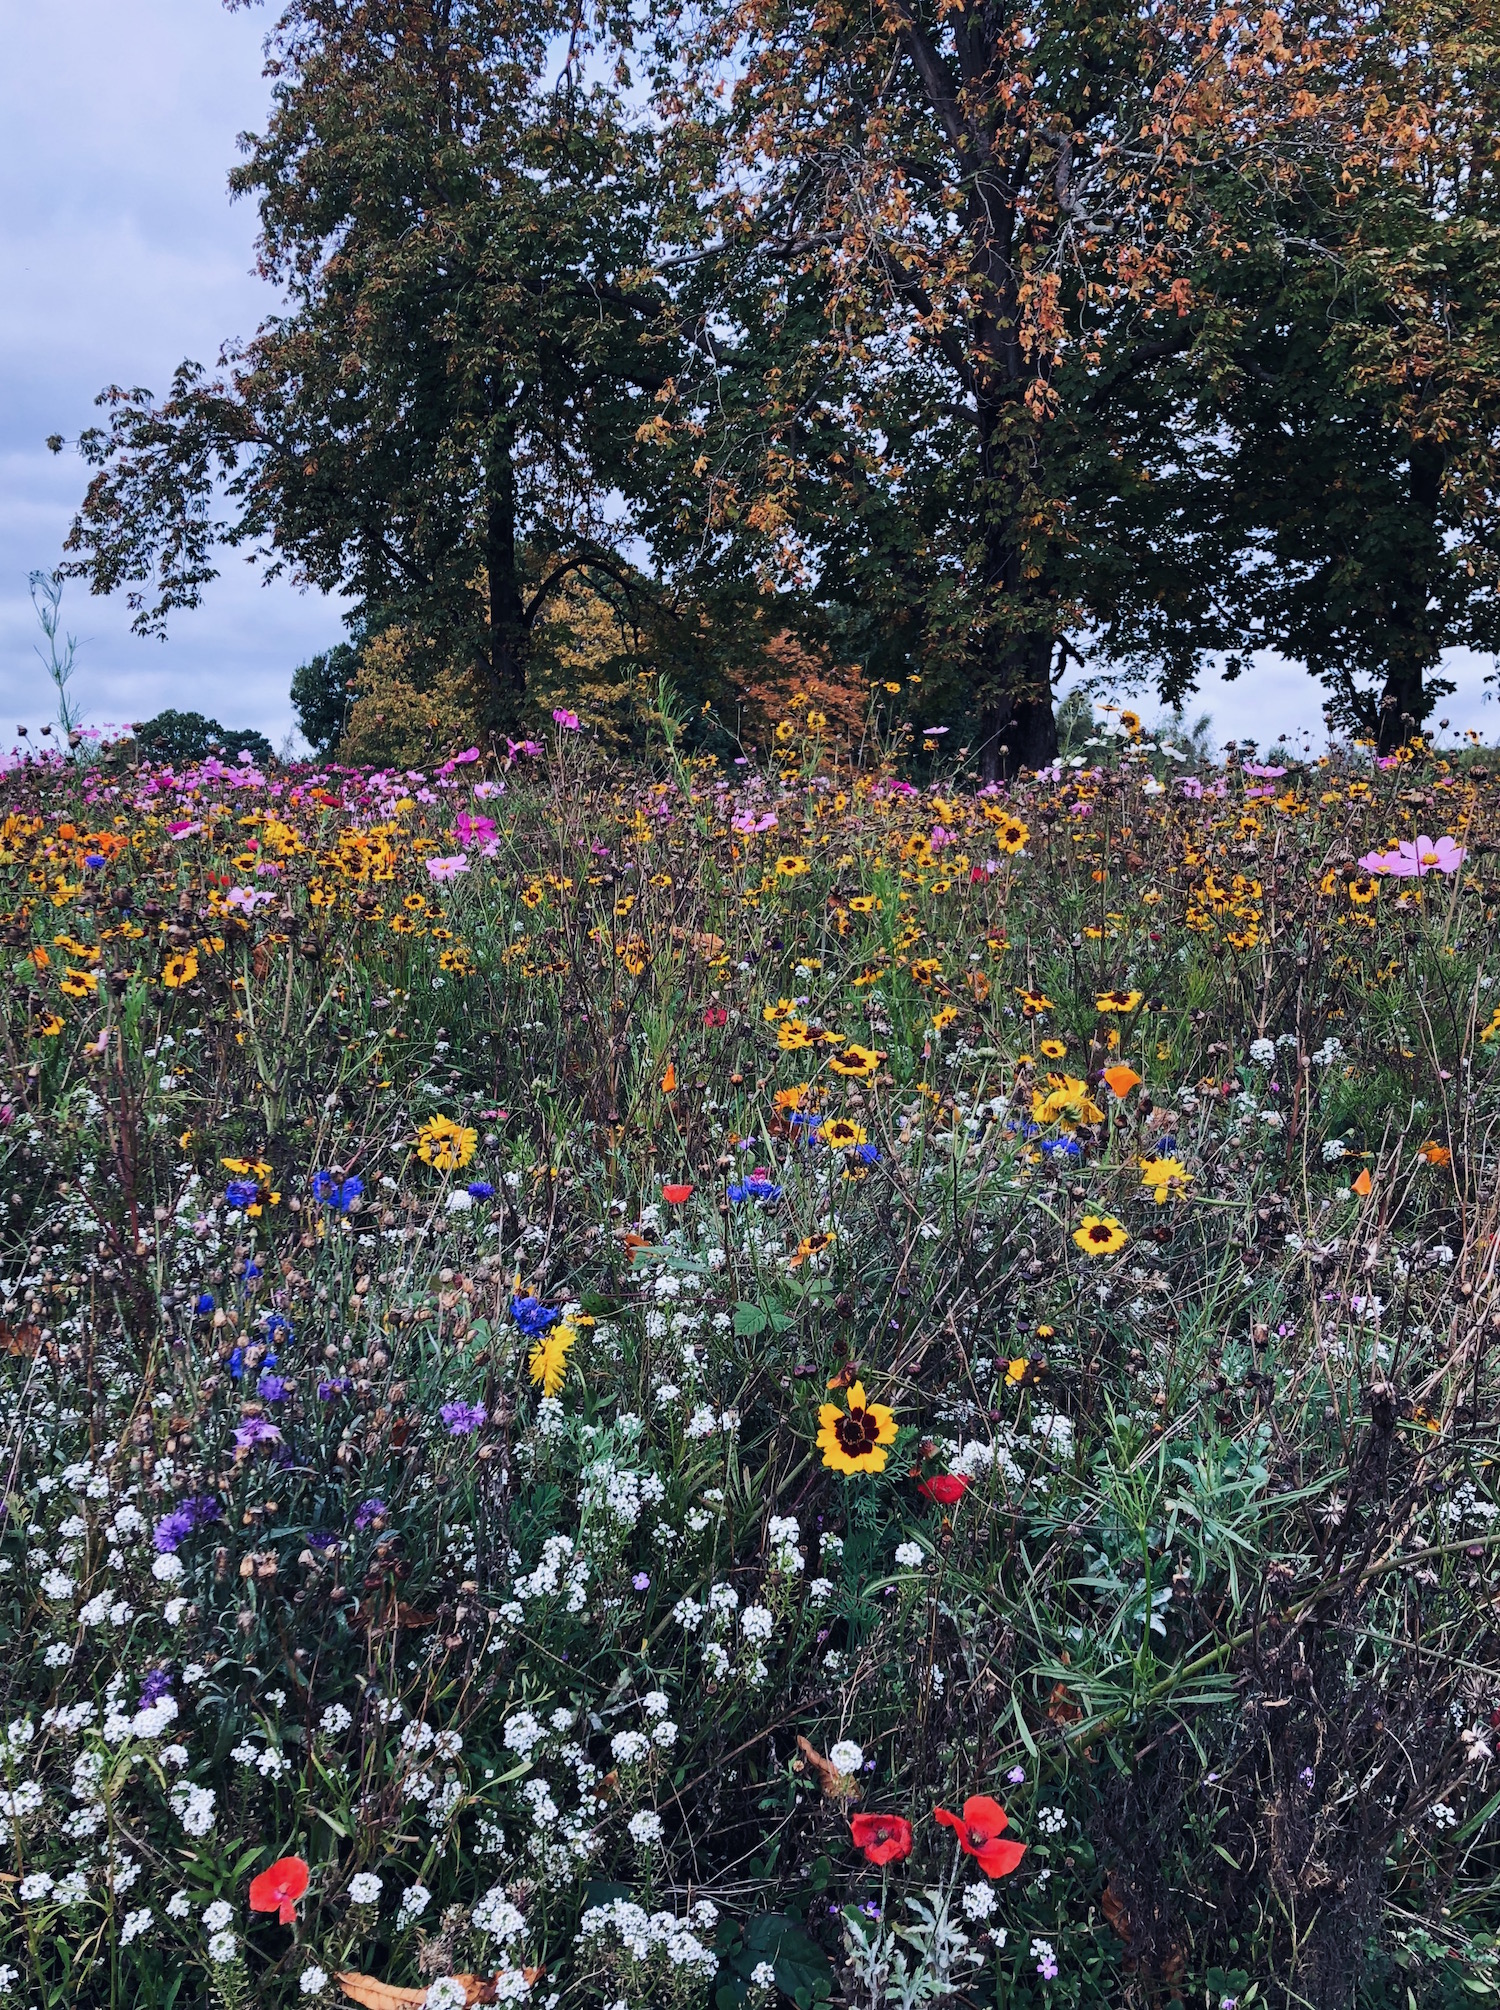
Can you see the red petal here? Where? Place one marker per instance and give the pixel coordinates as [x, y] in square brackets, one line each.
[999, 1859]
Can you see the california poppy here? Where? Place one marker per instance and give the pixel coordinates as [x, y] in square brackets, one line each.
[978, 1832]
[278, 1889]
[674, 1196]
[883, 1838]
[1121, 1080]
[948, 1489]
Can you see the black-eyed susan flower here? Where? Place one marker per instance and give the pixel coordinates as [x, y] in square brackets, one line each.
[854, 1440]
[1117, 1001]
[445, 1145]
[1033, 1003]
[944, 1017]
[1011, 836]
[79, 984]
[1363, 889]
[1100, 1235]
[1053, 1050]
[864, 903]
[791, 865]
[180, 970]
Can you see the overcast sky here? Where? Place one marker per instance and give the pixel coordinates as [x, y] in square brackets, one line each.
[120, 254]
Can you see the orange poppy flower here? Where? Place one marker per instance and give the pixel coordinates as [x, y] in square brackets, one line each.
[1121, 1080]
[278, 1889]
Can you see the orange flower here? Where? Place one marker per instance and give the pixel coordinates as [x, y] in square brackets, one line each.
[669, 1080]
[1362, 1185]
[1121, 1080]
[1434, 1153]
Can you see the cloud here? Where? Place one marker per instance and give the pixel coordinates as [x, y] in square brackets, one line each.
[121, 253]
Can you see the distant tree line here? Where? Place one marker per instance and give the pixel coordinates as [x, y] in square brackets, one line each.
[946, 340]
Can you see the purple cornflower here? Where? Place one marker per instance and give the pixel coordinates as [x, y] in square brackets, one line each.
[462, 1418]
[241, 1193]
[272, 1389]
[156, 1685]
[336, 1385]
[255, 1431]
[175, 1527]
[370, 1510]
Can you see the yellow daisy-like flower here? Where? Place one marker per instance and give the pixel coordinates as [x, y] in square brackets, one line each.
[445, 1144]
[1117, 1001]
[841, 1134]
[1012, 835]
[1164, 1179]
[944, 1018]
[864, 903]
[777, 1014]
[47, 1026]
[855, 1060]
[793, 1037]
[1363, 890]
[1015, 1371]
[180, 970]
[855, 1440]
[548, 1360]
[1100, 1235]
[1053, 1050]
[79, 984]
[1068, 1101]
[1033, 1002]
[791, 866]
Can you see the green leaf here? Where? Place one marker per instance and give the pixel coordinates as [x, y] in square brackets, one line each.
[749, 1320]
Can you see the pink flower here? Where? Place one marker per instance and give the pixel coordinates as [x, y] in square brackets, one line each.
[567, 720]
[474, 830]
[1412, 860]
[444, 869]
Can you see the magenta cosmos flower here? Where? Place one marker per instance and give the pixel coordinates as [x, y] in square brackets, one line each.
[1411, 860]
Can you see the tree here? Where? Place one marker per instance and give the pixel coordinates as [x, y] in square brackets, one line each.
[472, 344]
[174, 738]
[995, 214]
[323, 690]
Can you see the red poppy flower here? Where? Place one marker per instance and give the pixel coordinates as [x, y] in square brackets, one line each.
[948, 1489]
[883, 1838]
[978, 1833]
[674, 1196]
[716, 1016]
[278, 1889]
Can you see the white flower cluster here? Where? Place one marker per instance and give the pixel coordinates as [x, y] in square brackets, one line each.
[630, 1935]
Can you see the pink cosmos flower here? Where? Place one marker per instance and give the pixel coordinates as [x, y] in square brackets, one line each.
[444, 869]
[567, 720]
[1412, 860]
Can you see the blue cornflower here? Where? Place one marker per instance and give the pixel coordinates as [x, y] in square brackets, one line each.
[868, 1153]
[272, 1389]
[205, 1304]
[336, 1385]
[756, 1187]
[462, 1418]
[94, 858]
[370, 1510]
[338, 1194]
[174, 1528]
[1062, 1148]
[241, 1193]
[534, 1318]
[237, 1362]
[278, 1332]
[481, 1189]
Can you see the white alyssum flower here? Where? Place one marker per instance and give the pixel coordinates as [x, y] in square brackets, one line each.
[979, 1901]
[218, 1914]
[313, 1981]
[134, 1925]
[645, 1827]
[446, 1993]
[414, 1902]
[909, 1555]
[498, 1917]
[364, 1888]
[846, 1756]
[223, 1948]
[334, 1719]
[629, 1747]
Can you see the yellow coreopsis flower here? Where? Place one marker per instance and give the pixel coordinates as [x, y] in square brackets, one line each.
[855, 1440]
[445, 1144]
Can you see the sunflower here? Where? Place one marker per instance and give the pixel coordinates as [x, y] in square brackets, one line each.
[1053, 1050]
[548, 1360]
[180, 970]
[1117, 1001]
[1012, 835]
[1100, 1235]
[1363, 889]
[841, 1134]
[855, 1440]
[791, 866]
[1164, 1179]
[857, 1061]
[445, 1144]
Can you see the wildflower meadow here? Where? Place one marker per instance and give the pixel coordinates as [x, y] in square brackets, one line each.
[716, 1385]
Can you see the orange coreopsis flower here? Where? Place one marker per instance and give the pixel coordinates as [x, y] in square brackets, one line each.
[278, 1889]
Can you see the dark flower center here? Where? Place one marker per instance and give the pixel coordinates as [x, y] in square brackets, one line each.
[857, 1433]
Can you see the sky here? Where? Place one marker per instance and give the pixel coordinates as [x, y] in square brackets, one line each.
[121, 254]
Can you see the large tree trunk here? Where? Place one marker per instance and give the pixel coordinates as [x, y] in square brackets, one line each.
[1412, 647]
[506, 679]
[1017, 726]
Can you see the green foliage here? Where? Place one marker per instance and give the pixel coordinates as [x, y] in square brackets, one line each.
[180, 738]
[323, 689]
